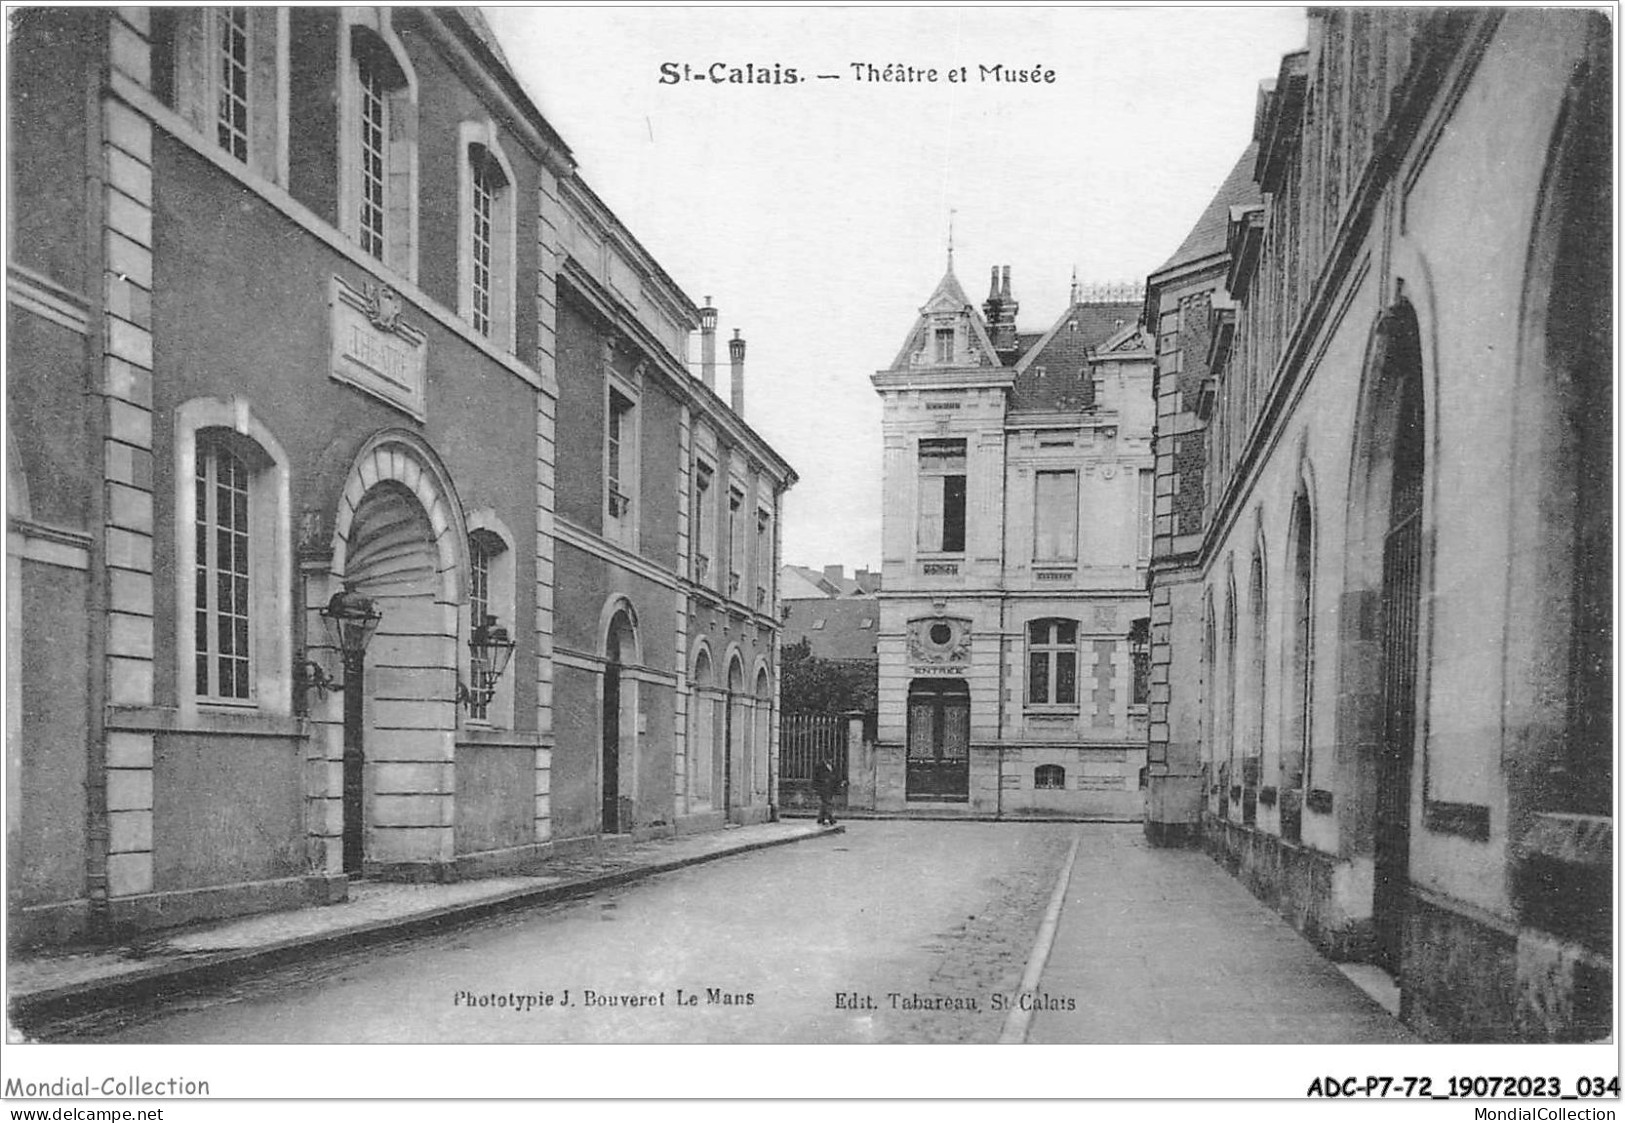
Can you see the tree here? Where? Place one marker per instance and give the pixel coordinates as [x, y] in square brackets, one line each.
[809, 684]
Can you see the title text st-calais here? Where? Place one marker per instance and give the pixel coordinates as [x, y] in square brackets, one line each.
[867, 73]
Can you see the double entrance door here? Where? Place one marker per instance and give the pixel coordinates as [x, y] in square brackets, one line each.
[938, 763]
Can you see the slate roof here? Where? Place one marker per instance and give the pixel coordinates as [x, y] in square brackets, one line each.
[843, 635]
[1207, 237]
[477, 24]
[1064, 384]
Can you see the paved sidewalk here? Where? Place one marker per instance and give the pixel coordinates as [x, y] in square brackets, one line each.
[60, 983]
[1163, 946]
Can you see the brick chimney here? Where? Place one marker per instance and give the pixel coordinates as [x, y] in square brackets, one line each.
[835, 574]
[991, 306]
[1004, 331]
[736, 359]
[708, 344]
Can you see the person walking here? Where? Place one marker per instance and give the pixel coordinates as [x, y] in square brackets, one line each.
[826, 784]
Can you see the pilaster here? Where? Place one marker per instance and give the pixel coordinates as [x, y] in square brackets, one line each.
[127, 447]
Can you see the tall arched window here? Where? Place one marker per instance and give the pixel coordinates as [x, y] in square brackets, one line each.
[218, 69]
[1228, 720]
[1253, 751]
[233, 562]
[485, 257]
[378, 127]
[222, 596]
[1297, 684]
[490, 599]
[1210, 695]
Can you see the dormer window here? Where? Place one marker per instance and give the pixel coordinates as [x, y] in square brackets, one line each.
[945, 345]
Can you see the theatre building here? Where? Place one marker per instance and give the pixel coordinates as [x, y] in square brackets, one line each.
[287, 497]
[1015, 536]
[1381, 577]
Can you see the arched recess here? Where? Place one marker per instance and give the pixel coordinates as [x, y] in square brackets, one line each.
[1253, 750]
[1229, 770]
[704, 726]
[736, 755]
[1558, 671]
[761, 732]
[619, 708]
[1210, 703]
[1382, 692]
[1295, 763]
[400, 539]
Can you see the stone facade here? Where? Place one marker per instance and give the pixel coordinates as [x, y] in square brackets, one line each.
[1383, 383]
[1017, 492]
[303, 336]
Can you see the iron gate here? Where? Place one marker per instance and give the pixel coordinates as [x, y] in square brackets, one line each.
[804, 740]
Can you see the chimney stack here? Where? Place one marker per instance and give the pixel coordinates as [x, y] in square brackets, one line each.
[1001, 313]
[835, 574]
[736, 359]
[708, 344]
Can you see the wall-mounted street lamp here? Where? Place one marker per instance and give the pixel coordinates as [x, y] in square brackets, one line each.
[491, 648]
[350, 619]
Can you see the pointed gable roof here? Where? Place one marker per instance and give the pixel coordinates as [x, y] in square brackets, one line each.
[949, 298]
[1207, 237]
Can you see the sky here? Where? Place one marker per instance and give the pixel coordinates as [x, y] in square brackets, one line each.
[816, 214]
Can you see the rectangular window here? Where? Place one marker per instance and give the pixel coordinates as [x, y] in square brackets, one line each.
[1055, 516]
[945, 345]
[704, 522]
[1052, 663]
[484, 202]
[374, 137]
[231, 116]
[736, 541]
[618, 465]
[764, 558]
[222, 586]
[942, 496]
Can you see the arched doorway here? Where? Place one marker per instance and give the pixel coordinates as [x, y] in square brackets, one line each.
[392, 811]
[761, 737]
[1385, 568]
[391, 720]
[619, 713]
[702, 735]
[938, 764]
[735, 781]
